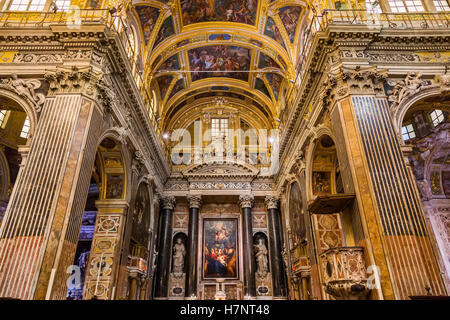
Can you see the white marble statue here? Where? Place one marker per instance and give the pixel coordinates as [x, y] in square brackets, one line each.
[261, 258]
[179, 251]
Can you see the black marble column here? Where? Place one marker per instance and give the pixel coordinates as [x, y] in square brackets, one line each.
[165, 250]
[195, 202]
[278, 272]
[246, 203]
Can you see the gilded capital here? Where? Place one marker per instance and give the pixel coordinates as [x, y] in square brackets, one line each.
[271, 202]
[246, 200]
[168, 202]
[195, 201]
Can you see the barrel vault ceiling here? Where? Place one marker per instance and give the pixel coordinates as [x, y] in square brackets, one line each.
[242, 50]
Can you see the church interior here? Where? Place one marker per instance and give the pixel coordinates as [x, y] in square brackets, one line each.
[224, 149]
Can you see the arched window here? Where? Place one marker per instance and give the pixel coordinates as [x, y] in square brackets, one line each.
[27, 5]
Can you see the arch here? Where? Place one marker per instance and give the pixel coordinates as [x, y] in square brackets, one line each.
[316, 133]
[398, 113]
[120, 167]
[29, 109]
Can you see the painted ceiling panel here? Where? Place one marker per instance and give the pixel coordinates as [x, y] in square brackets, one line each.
[240, 11]
[148, 16]
[219, 61]
[290, 16]
[167, 29]
[243, 47]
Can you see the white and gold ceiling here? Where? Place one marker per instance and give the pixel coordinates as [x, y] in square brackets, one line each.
[243, 50]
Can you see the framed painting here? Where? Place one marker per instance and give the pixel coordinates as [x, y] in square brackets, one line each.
[220, 248]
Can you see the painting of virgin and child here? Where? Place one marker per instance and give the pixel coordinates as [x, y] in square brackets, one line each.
[219, 246]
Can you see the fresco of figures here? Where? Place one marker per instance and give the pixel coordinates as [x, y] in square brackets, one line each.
[163, 84]
[273, 32]
[179, 85]
[266, 62]
[241, 11]
[275, 83]
[148, 17]
[289, 16]
[259, 84]
[165, 31]
[172, 63]
[219, 247]
[219, 61]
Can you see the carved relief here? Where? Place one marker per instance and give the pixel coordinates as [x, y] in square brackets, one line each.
[26, 89]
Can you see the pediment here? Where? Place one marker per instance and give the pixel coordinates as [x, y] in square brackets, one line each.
[221, 169]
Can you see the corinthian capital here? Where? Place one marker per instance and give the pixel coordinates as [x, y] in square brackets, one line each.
[246, 200]
[271, 202]
[168, 202]
[195, 201]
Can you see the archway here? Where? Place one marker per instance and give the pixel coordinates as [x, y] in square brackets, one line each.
[16, 130]
[101, 235]
[425, 134]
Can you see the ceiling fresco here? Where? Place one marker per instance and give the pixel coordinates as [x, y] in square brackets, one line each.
[243, 47]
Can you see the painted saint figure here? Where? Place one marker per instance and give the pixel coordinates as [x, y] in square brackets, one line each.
[179, 251]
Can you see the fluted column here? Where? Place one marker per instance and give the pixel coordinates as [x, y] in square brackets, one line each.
[195, 202]
[275, 239]
[164, 247]
[40, 230]
[246, 203]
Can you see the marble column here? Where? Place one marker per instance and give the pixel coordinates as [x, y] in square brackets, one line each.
[192, 245]
[278, 275]
[40, 230]
[164, 247]
[304, 280]
[133, 286]
[246, 203]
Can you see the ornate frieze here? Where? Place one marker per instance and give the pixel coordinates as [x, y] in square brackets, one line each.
[246, 200]
[222, 185]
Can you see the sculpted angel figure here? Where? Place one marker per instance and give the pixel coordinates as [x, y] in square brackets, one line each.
[179, 251]
[261, 257]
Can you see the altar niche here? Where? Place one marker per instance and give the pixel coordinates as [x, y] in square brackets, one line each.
[177, 277]
[263, 276]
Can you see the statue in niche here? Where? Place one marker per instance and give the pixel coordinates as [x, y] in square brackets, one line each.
[179, 251]
[261, 258]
